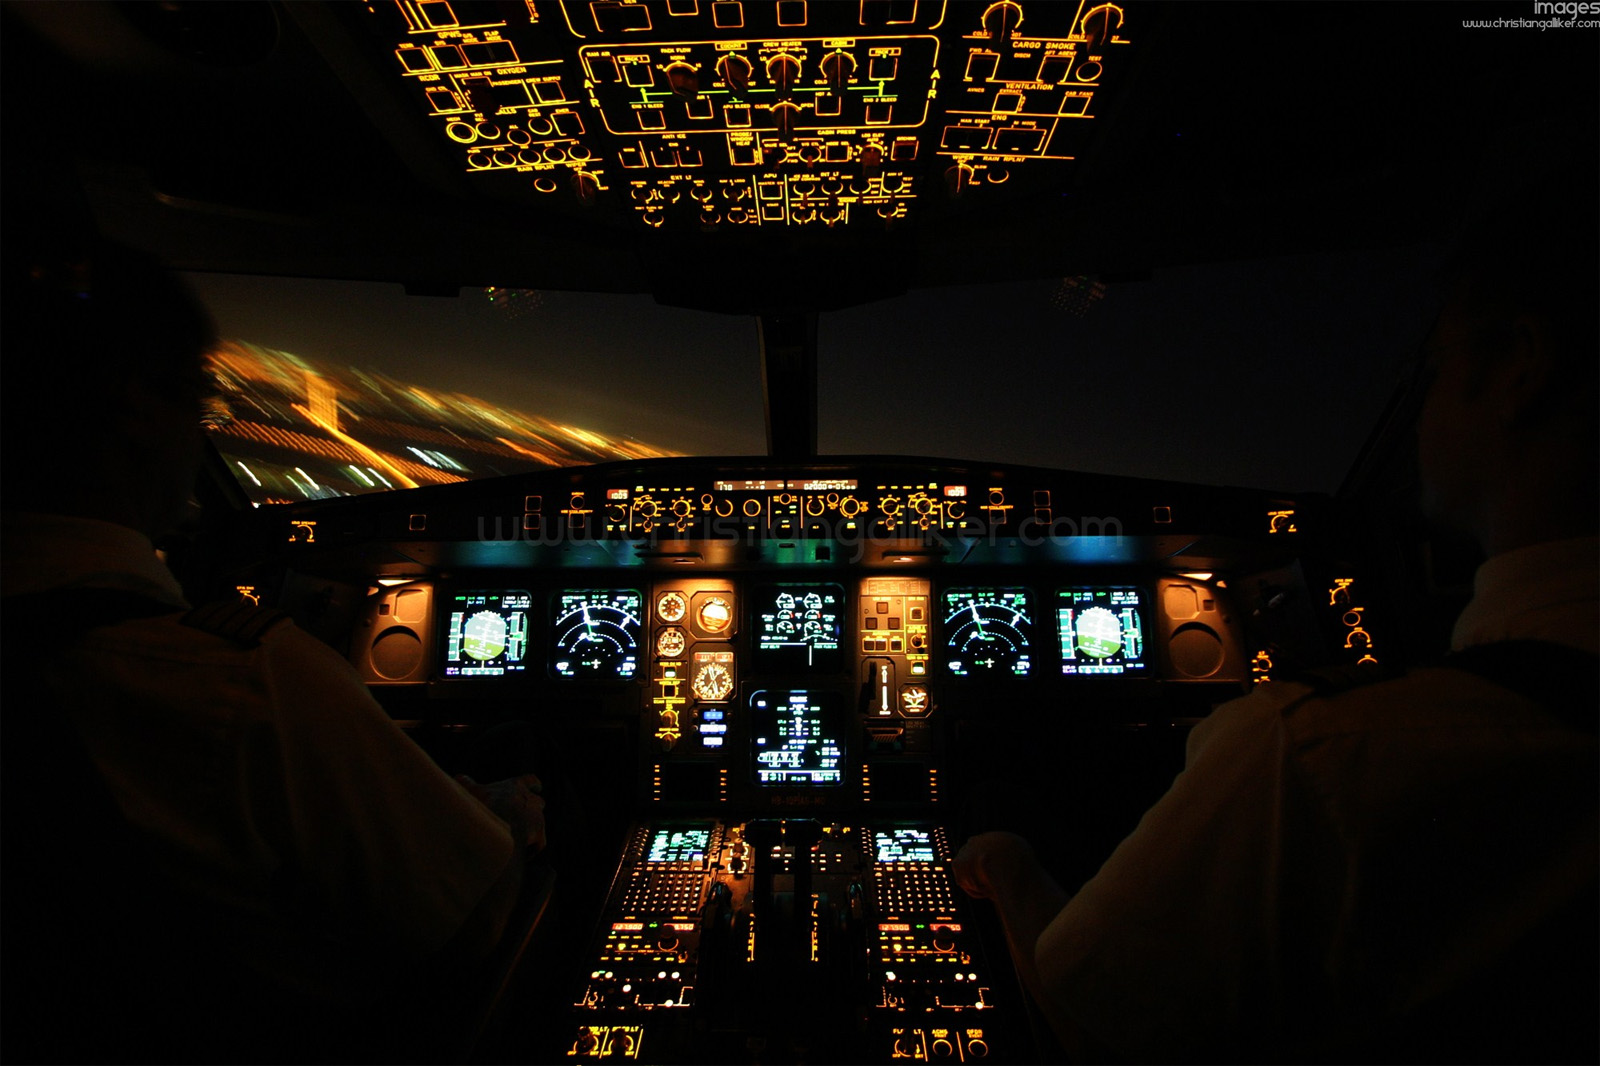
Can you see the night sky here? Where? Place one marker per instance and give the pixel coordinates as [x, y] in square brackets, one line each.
[1268, 374]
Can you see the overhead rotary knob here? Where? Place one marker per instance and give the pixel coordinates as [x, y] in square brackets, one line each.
[735, 70]
[684, 79]
[784, 70]
[585, 187]
[837, 68]
[784, 115]
[1001, 20]
[957, 178]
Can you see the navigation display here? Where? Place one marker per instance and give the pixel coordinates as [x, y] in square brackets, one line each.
[903, 845]
[988, 632]
[1102, 630]
[794, 739]
[799, 627]
[678, 845]
[596, 633]
[488, 633]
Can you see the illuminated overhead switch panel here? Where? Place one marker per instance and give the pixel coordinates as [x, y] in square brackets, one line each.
[817, 114]
[1026, 88]
[729, 114]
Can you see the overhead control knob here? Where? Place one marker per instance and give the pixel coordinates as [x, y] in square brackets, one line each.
[784, 115]
[837, 68]
[1097, 25]
[735, 70]
[784, 70]
[1001, 20]
[684, 79]
[585, 186]
[957, 178]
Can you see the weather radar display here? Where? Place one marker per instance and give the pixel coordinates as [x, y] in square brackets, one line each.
[988, 632]
[1102, 630]
[596, 634]
[801, 627]
[488, 633]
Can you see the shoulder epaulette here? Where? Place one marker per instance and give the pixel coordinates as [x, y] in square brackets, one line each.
[1333, 680]
[237, 620]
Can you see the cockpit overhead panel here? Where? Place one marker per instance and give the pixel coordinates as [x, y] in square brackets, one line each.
[725, 115]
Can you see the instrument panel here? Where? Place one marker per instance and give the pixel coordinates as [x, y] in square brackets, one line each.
[758, 690]
[813, 677]
[600, 635]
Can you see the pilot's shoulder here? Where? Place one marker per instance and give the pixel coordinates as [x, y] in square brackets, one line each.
[237, 621]
[1326, 699]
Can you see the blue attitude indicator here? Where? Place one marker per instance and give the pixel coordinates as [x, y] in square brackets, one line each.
[988, 632]
[1102, 631]
[597, 634]
[488, 633]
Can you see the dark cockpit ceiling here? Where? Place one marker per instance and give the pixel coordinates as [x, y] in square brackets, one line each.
[773, 157]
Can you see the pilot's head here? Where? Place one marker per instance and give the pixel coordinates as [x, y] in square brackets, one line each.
[104, 383]
[1507, 437]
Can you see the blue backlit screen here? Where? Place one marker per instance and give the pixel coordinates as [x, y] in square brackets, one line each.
[1102, 630]
[487, 634]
